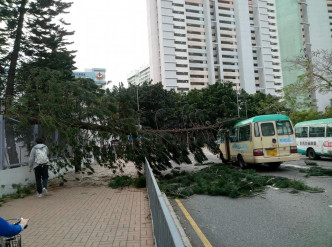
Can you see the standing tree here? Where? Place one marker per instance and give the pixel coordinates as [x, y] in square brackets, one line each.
[317, 76]
[32, 38]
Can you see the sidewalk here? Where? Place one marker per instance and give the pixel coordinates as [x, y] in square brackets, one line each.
[84, 214]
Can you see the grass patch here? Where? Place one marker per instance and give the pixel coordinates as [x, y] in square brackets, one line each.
[316, 171]
[224, 180]
[21, 192]
[125, 181]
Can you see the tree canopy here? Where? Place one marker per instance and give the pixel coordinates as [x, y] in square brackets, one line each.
[316, 76]
[109, 126]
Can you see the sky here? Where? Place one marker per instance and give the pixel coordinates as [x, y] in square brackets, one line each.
[109, 34]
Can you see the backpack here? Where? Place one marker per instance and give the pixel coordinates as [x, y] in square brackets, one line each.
[41, 156]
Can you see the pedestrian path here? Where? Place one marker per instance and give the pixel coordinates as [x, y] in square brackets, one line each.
[84, 216]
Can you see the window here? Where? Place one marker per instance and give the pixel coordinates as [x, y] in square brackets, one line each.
[233, 136]
[301, 132]
[244, 133]
[267, 129]
[284, 128]
[316, 131]
[256, 130]
[329, 130]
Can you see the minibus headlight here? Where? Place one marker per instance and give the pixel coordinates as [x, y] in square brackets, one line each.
[258, 152]
[293, 150]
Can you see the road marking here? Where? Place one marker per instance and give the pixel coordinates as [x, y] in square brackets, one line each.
[200, 234]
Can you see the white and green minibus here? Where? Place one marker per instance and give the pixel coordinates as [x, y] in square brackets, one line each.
[314, 138]
[268, 139]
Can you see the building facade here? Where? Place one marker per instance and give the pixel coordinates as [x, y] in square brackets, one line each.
[310, 31]
[137, 77]
[96, 74]
[194, 43]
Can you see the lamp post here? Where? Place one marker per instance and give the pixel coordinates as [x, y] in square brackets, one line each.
[137, 99]
[237, 102]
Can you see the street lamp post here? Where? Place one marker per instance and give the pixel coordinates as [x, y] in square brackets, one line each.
[137, 99]
[237, 102]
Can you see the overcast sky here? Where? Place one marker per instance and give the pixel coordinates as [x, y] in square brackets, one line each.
[110, 34]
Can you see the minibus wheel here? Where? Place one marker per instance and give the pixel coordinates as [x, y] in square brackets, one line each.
[241, 162]
[311, 154]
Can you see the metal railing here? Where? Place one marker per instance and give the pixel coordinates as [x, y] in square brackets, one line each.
[164, 229]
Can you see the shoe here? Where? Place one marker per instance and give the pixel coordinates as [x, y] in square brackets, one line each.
[39, 195]
[45, 191]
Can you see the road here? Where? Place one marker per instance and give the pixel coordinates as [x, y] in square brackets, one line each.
[275, 218]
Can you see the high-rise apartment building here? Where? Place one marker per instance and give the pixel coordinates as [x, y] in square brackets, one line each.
[139, 76]
[194, 43]
[305, 26]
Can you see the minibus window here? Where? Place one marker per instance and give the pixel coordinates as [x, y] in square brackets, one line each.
[316, 131]
[301, 132]
[284, 128]
[233, 137]
[220, 139]
[329, 131]
[256, 130]
[244, 133]
[267, 129]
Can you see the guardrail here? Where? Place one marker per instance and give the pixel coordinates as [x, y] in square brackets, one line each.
[164, 229]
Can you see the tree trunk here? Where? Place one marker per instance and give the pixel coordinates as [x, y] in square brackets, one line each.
[10, 143]
[9, 95]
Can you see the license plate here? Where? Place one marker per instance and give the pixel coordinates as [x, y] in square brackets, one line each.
[271, 152]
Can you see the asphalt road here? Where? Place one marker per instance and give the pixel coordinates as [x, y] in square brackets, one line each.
[275, 218]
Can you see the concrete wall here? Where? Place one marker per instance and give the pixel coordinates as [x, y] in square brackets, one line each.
[20, 175]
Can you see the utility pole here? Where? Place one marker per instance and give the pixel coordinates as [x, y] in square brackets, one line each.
[237, 102]
[137, 84]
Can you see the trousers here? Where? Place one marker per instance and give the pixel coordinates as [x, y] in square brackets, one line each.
[41, 174]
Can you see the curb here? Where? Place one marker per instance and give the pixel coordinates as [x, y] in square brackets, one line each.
[184, 238]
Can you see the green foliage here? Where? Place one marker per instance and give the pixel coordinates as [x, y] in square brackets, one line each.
[21, 192]
[226, 181]
[297, 98]
[316, 76]
[88, 118]
[310, 163]
[317, 171]
[140, 182]
[306, 115]
[120, 181]
[126, 181]
[281, 182]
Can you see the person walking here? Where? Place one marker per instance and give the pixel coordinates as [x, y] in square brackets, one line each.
[9, 230]
[39, 162]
